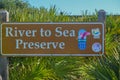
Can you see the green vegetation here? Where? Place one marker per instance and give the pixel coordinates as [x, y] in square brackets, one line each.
[63, 68]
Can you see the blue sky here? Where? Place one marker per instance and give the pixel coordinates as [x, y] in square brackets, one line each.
[76, 7]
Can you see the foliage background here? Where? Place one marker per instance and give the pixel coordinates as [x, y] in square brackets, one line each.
[64, 68]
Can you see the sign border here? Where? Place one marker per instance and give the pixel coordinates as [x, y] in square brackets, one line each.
[103, 39]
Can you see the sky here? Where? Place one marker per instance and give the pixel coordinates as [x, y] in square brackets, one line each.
[76, 7]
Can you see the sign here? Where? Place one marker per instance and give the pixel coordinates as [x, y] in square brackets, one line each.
[57, 39]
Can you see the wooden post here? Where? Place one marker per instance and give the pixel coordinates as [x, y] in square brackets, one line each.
[101, 16]
[4, 17]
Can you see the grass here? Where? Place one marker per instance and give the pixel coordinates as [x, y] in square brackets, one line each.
[107, 67]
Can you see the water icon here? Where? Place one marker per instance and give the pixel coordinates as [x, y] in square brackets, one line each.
[96, 33]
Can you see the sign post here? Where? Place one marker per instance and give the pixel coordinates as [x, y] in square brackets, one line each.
[4, 17]
[101, 16]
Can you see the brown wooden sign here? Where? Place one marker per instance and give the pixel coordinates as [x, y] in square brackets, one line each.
[57, 39]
